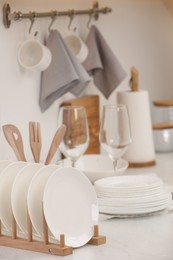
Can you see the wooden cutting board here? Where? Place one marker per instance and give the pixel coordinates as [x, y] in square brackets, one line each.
[91, 104]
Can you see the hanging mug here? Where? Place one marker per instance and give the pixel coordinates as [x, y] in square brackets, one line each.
[76, 45]
[33, 55]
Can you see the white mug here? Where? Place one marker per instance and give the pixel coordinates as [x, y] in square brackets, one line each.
[77, 46]
[33, 55]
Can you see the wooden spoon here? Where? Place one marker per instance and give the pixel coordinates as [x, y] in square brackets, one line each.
[55, 143]
[14, 138]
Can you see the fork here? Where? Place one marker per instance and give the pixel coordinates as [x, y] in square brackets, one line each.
[35, 140]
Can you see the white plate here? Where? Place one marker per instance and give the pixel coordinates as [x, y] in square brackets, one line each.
[35, 196]
[139, 203]
[3, 164]
[129, 183]
[97, 166]
[128, 211]
[128, 194]
[70, 206]
[138, 199]
[7, 177]
[155, 213]
[19, 194]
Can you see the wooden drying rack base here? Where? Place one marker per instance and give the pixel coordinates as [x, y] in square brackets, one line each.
[35, 246]
[44, 246]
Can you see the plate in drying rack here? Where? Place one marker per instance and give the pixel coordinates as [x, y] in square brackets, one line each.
[7, 177]
[70, 206]
[35, 196]
[19, 194]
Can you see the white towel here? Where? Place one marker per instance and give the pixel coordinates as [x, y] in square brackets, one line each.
[65, 73]
[102, 63]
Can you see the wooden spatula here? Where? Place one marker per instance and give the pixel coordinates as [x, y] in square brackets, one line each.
[55, 143]
[14, 138]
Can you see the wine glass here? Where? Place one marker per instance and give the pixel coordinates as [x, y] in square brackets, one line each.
[76, 139]
[115, 135]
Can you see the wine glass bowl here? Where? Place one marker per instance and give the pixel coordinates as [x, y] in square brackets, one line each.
[115, 135]
[76, 138]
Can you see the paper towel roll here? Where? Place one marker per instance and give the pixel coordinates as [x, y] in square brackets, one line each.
[141, 151]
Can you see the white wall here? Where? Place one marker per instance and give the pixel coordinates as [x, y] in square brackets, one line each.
[139, 34]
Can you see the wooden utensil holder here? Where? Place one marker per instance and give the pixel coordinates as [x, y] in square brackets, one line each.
[43, 246]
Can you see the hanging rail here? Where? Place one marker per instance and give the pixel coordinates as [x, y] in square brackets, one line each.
[18, 15]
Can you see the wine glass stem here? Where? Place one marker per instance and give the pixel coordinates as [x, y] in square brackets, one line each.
[115, 165]
[73, 162]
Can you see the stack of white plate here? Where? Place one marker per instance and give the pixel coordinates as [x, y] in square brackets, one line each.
[132, 195]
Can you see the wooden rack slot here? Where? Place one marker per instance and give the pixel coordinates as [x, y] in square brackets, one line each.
[97, 239]
[45, 230]
[29, 226]
[44, 246]
[0, 229]
[62, 240]
[8, 16]
[14, 228]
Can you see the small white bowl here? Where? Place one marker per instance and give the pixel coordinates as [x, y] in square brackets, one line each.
[97, 166]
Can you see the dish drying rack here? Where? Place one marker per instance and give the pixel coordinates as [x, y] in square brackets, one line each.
[44, 246]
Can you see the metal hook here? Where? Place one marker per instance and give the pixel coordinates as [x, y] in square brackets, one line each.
[71, 16]
[94, 13]
[89, 21]
[32, 19]
[53, 17]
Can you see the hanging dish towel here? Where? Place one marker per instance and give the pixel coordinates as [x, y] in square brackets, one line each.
[65, 73]
[102, 64]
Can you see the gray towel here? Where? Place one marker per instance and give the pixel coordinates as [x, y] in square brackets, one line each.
[102, 64]
[65, 73]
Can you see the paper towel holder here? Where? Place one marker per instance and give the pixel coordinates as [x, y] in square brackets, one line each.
[134, 80]
[136, 93]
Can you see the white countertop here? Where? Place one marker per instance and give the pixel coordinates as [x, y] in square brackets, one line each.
[144, 238]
